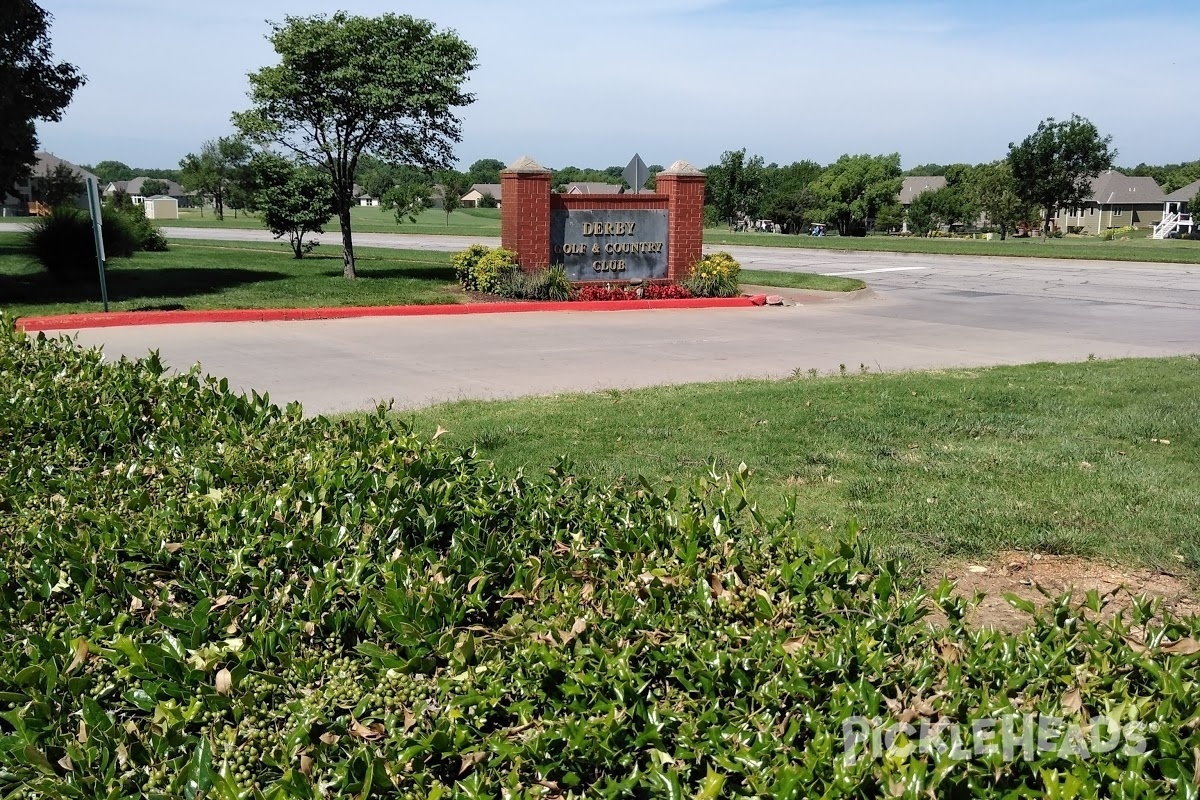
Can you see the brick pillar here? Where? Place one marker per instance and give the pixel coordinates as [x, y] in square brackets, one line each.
[525, 212]
[683, 185]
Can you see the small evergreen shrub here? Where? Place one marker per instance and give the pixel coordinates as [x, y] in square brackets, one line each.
[715, 275]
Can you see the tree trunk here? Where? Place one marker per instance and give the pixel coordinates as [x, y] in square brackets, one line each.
[347, 242]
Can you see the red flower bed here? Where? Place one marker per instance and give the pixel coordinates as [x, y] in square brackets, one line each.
[653, 291]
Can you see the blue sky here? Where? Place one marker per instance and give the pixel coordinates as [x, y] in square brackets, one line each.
[590, 83]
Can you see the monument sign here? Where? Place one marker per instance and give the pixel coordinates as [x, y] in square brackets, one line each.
[608, 238]
[610, 245]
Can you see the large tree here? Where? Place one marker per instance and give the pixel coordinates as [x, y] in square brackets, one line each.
[32, 86]
[787, 199]
[485, 170]
[295, 200]
[152, 187]
[220, 164]
[993, 189]
[1055, 165]
[853, 189]
[952, 204]
[348, 85]
[735, 186]
[113, 171]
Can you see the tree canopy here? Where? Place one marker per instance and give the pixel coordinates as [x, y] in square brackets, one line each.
[735, 186]
[993, 190]
[112, 171]
[454, 185]
[154, 186]
[347, 85]
[1055, 165]
[485, 170]
[33, 86]
[294, 200]
[853, 189]
[210, 173]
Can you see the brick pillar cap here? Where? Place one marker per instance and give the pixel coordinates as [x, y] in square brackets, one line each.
[681, 168]
[526, 165]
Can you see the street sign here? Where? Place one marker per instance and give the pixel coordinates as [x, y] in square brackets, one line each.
[636, 174]
[93, 196]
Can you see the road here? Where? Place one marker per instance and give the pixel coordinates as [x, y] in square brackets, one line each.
[925, 311]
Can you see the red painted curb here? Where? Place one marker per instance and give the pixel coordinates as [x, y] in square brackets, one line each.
[127, 318]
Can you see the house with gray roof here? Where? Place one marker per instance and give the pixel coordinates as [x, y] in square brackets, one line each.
[29, 191]
[478, 191]
[916, 185]
[594, 187]
[133, 188]
[913, 187]
[1116, 200]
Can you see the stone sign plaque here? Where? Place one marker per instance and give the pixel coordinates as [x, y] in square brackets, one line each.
[610, 245]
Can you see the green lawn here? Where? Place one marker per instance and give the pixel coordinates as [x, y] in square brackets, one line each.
[203, 275]
[963, 463]
[1139, 248]
[464, 222]
[800, 280]
[485, 222]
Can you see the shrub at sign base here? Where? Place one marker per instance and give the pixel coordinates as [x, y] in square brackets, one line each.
[204, 595]
[715, 275]
[482, 269]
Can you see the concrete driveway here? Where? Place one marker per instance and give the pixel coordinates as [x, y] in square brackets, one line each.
[923, 312]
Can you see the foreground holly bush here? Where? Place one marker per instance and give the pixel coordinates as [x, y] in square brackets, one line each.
[208, 596]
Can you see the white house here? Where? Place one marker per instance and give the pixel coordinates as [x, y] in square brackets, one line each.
[1178, 214]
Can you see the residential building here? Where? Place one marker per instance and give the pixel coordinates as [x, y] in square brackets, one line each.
[1116, 200]
[593, 187]
[915, 186]
[28, 193]
[478, 191]
[1179, 212]
[133, 188]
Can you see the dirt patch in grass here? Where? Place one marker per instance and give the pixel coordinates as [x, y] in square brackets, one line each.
[1021, 573]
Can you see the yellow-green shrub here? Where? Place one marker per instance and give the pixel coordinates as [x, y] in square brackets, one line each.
[494, 269]
[715, 275]
[464, 265]
[1116, 233]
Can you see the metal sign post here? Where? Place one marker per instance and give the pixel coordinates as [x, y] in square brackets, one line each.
[93, 194]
